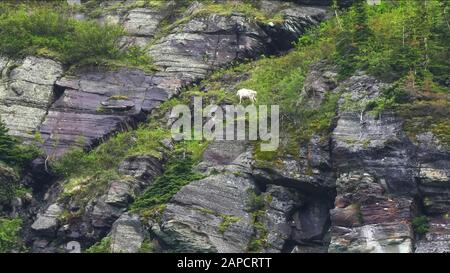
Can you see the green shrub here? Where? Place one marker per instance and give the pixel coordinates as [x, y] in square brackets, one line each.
[246, 7]
[442, 132]
[227, 221]
[423, 116]
[87, 174]
[421, 224]
[145, 140]
[15, 156]
[7, 144]
[104, 246]
[9, 235]
[137, 57]
[257, 206]
[178, 173]
[9, 184]
[256, 202]
[84, 188]
[48, 29]
[146, 247]
[12, 152]
[259, 239]
[91, 42]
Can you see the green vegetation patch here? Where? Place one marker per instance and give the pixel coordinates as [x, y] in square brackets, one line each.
[12, 152]
[49, 30]
[10, 186]
[423, 116]
[247, 7]
[145, 140]
[9, 235]
[421, 224]
[178, 174]
[146, 247]
[88, 173]
[104, 246]
[257, 206]
[227, 220]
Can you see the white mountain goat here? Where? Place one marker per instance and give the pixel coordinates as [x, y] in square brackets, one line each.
[247, 93]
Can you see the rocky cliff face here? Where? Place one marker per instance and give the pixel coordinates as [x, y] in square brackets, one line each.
[87, 106]
[359, 188]
[26, 92]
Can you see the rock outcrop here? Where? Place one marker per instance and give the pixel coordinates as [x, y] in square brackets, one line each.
[209, 215]
[204, 43]
[295, 221]
[376, 187]
[376, 144]
[434, 187]
[367, 219]
[95, 104]
[433, 174]
[320, 80]
[47, 223]
[96, 215]
[140, 23]
[139, 173]
[127, 234]
[26, 93]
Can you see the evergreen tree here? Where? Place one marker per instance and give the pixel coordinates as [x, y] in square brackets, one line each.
[423, 30]
[353, 38]
[12, 152]
[362, 30]
[440, 53]
[7, 144]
